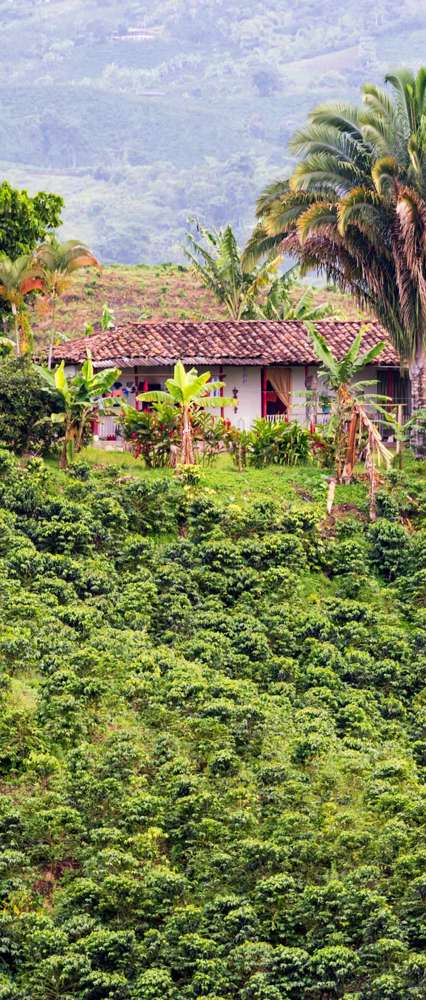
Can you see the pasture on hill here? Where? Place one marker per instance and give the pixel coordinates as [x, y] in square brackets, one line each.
[146, 293]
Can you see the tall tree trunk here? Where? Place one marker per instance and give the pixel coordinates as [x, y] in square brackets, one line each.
[187, 457]
[351, 448]
[417, 373]
[63, 456]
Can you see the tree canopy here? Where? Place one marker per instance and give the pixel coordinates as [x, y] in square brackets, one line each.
[26, 221]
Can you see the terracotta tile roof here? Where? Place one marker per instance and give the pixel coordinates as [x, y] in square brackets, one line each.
[223, 342]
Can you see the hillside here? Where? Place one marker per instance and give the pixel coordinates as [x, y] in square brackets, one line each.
[141, 115]
[165, 291]
[212, 738]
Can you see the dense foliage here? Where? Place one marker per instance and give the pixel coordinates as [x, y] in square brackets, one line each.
[276, 443]
[154, 434]
[25, 423]
[25, 222]
[212, 743]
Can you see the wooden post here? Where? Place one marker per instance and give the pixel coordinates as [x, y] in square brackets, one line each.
[264, 397]
[372, 477]
[222, 409]
[330, 494]
[145, 389]
[399, 443]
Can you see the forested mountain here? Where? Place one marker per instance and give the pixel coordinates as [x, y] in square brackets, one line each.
[143, 114]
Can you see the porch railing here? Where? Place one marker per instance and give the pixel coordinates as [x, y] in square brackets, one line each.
[106, 428]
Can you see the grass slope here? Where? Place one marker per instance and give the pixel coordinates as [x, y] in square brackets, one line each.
[166, 291]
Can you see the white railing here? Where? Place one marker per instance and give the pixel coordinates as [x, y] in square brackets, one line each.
[107, 428]
[275, 418]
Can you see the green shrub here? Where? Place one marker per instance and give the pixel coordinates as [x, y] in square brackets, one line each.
[390, 547]
[277, 443]
[198, 731]
[24, 409]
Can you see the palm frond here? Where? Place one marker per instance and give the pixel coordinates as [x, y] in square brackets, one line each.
[359, 206]
[258, 246]
[343, 117]
[325, 171]
[377, 101]
[404, 84]
[271, 193]
[315, 217]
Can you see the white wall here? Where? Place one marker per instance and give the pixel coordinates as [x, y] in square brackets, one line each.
[298, 394]
[248, 382]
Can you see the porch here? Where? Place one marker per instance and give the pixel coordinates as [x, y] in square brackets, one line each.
[277, 393]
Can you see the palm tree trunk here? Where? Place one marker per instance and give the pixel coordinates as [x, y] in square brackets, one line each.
[417, 373]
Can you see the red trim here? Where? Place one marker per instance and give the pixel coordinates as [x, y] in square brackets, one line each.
[137, 401]
[264, 394]
[145, 406]
[221, 393]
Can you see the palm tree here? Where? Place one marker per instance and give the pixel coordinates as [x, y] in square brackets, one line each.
[81, 397]
[355, 210]
[18, 278]
[217, 261]
[58, 262]
[189, 392]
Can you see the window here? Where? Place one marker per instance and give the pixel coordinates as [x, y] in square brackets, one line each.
[274, 405]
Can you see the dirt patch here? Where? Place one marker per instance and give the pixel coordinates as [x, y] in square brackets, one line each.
[339, 513]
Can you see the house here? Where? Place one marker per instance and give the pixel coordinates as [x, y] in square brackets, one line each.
[270, 368]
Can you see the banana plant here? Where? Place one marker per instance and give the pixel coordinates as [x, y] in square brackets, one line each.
[348, 413]
[82, 396]
[403, 430]
[189, 392]
[280, 304]
[216, 259]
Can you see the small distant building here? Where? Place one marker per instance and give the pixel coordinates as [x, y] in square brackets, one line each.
[269, 368]
[137, 34]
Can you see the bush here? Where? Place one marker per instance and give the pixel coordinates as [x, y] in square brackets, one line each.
[24, 409]
[277, 444]
[391, 546]
[151, 433]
